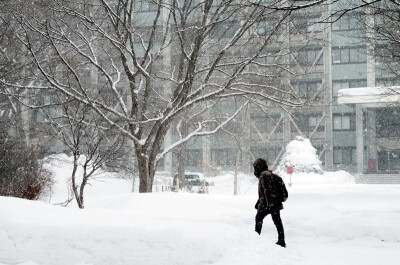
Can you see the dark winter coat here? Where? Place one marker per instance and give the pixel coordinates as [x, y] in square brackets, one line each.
[271, 191]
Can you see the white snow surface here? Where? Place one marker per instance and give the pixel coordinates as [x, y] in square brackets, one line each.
[364, 95]
[328, 220]
[362, 91]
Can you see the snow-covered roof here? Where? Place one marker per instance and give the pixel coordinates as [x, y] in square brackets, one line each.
[374, 96]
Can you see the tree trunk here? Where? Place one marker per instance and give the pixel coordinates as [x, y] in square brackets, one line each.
[83, 184]
[20, 127]
[145, 179]
[74, 186]
[235, 181]
[182, 151]
[181, 163]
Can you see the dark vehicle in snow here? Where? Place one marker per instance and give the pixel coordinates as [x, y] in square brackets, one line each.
[192, 179]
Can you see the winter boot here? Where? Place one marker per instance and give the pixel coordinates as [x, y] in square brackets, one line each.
[281, 242]
[258, 227]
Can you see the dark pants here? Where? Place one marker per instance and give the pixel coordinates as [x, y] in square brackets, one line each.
[276, 217]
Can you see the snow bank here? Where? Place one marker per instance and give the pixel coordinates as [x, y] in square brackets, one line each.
[328, 225]
[328, 220]
[302, 156]
[314, 179]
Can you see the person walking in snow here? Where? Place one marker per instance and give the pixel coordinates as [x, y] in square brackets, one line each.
[271, 193]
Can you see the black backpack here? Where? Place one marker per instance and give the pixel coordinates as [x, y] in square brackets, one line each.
[280, 187]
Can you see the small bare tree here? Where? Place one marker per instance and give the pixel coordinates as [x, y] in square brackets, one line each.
[80, 131]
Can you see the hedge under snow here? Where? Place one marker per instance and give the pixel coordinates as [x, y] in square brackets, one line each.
[302, 156]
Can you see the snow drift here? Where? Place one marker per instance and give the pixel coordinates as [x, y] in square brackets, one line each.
[324, 224]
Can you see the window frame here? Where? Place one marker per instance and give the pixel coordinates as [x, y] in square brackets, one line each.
[342, 55]
[346, 22]
[350, 151]
[351, 122]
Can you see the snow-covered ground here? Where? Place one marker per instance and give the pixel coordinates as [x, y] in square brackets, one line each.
[328, 220]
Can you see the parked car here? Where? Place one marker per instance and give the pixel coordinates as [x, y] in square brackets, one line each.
[192, 179]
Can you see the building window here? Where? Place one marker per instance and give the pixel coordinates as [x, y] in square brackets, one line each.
[146, 5]
[224, 157]
[268, 27]
[270, 153]
[270, 56]
[389, 161]
[387, 52]
[345, 122]
[306, 24]
[226, 29]
[388, 122]
[313, 121]
[314, 24]
[266, 123]
[309, 56]
[142, 34]
[308, 88]
[321, 153]
[194, 157]
[342, 84]
[308, 123]
[387, 82]
[346, 22]
[348, 55]
[273, 121]
[258, 152]
[344, 155]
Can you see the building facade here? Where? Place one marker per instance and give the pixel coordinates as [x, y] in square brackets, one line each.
[321, 51]
[325, 58]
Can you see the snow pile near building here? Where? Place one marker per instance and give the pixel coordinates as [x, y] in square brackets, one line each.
[302, 156]
[315, 179]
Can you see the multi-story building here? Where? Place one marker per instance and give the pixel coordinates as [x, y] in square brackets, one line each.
[325, 58]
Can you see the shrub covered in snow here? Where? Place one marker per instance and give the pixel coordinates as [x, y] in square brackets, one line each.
[21, 171]
[302, 156]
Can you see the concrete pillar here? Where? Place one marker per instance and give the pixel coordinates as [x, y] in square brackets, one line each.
[372, 155]
[287, 133]
[360, 139]
[328, 97]
[370, 47]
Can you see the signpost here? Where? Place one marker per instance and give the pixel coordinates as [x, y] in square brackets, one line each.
[289, 170]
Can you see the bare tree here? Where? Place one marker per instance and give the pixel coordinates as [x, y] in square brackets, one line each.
[81, 132]
[10, 56]
[139, 74]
